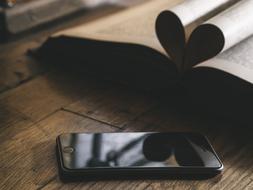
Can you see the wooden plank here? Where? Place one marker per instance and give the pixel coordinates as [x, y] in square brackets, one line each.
[10, 118]
[50, 92]
[43, 95]
[28, 158]
[114, 105]
[16, 67]
[114, 184]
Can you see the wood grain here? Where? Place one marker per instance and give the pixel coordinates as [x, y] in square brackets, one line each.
[236, 154]
[41, 103]
[115, 106]
[233, 144]
[15, 66]
[28, 159]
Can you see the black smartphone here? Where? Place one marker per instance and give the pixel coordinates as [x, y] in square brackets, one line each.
[140, 155]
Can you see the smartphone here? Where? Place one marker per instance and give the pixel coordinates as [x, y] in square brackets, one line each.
[139, 155]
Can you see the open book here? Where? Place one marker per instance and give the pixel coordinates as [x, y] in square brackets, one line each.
[203, 46]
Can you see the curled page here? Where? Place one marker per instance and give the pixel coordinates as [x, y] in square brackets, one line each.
[236, 23]
[193, 10]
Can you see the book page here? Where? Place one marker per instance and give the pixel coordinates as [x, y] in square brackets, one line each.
[136, 25]
[236, 23]
[237, 60]
[193, 12]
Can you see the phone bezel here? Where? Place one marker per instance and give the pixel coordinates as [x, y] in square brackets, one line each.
[184, 172]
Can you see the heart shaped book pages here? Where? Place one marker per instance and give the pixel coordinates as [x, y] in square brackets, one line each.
[205, 40]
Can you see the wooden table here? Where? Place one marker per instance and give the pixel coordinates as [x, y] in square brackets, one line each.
[37, 104]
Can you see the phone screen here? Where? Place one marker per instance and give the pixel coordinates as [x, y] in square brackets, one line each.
[145, 150]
